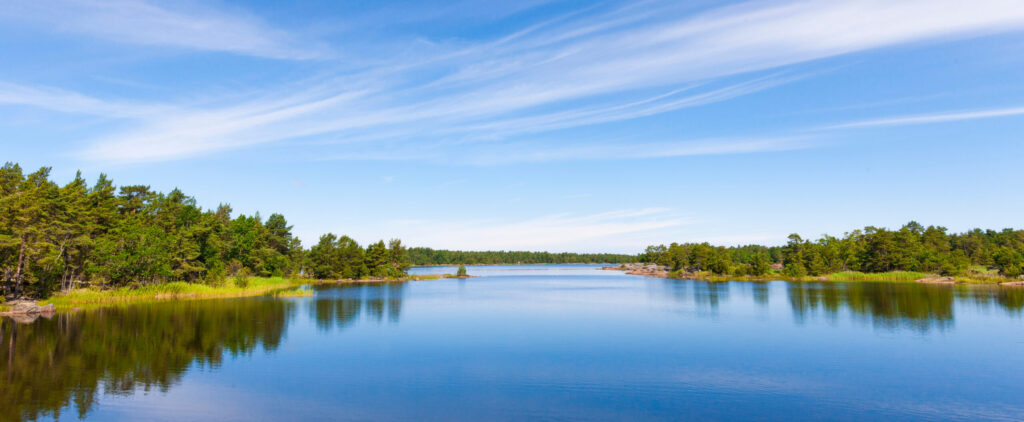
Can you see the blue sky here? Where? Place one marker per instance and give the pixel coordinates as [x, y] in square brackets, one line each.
[545, 125]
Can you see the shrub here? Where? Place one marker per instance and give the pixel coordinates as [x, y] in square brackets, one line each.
[216, 275]
[461, 271]
[234, 267]
[242, 278]
[795, 269]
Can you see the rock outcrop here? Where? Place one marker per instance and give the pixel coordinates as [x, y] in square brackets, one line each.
[28, 307]
[652, 270]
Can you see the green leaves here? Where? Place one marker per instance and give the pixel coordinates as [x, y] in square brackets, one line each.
[912, 248]
[58, 237]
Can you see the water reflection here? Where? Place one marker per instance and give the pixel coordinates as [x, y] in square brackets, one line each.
[65, 363]
[921, 307]
[885, 305]
[761, 293]
[338, 307]
[52, 363]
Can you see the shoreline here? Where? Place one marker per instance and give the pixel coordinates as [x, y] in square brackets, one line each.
[651, 270]
[495, 265]
[417, 277]
[92, 298]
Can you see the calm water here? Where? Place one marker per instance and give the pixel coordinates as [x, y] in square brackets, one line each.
[532, 342]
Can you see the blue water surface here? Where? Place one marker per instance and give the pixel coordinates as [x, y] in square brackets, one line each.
[561, 342]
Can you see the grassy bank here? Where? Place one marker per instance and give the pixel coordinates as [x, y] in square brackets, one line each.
[256, 286]
[293, 292]
[897, 276]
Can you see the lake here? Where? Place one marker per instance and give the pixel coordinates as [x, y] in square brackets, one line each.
[555, 342]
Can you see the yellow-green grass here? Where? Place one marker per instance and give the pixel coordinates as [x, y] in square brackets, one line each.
[886, 276]
[293, 292]
[257, 286]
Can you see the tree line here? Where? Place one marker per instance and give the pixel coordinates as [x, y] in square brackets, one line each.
[912, 247]
[428, 256]
[57, 237]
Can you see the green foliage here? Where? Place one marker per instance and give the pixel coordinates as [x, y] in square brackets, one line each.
[428, 256]
[1009, 261]
[342, 258]
[760, 264]
[242, 278]
[461, 272]
[63, 237]
[913, 248]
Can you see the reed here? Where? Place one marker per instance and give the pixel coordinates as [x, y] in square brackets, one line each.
[256, 286]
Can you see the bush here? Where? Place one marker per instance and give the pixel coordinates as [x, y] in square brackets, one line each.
[242, 278]
[234, 267]
[461, 271]
[741, 269]
[216, 275]
[795, 269]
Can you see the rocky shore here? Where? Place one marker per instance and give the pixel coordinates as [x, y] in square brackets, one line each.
[652, 270]
[26, 311]
[27, 307]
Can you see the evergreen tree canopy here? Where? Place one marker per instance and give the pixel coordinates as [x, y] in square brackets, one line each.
[58, 237]
[911, 248]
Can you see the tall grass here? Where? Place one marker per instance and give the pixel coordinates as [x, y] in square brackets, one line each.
[293, 292]
[887, 276]
[256, 286]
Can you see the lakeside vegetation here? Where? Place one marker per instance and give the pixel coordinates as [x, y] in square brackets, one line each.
[428, 256]
[253, 286]
[873, 254]
[62, 238]
[101, 243]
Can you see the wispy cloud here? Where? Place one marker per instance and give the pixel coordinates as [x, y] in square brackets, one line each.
[561, 231]
[933, 118]
[147, 23]
[591, 67]
[75, 103]
[635, 150]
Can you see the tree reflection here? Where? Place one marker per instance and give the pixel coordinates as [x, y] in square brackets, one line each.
[920, 307]
[339, 307]
[886, 305]
[51, 363]
[761, 293]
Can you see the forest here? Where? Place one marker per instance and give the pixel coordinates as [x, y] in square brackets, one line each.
[428, 256]
[54, 238]
[912, 247]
